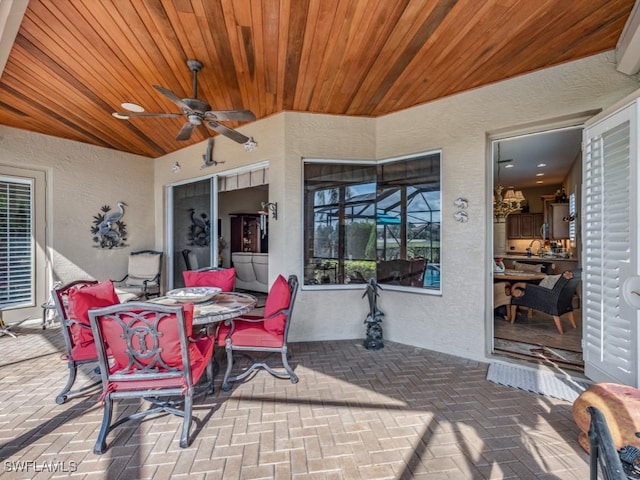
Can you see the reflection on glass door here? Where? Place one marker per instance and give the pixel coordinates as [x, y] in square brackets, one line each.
[192, 234]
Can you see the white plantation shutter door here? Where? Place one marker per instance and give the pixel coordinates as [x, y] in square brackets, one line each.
[609, 249]
[16, 242]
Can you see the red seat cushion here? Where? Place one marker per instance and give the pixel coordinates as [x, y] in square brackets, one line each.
[249, 334]
[80, 353]
[224, 279]
[204, 349]
[279, 298]
[169, 340]
[80, 301]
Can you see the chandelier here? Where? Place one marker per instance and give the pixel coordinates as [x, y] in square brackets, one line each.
[510, 202]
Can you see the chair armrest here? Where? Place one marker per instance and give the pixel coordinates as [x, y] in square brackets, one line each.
[534, 295]
[258, 318]
[72, 321]
[252, 319]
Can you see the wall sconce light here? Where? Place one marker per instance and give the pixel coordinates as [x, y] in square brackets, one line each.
[176, 167]
[250, 145]
[270, 207]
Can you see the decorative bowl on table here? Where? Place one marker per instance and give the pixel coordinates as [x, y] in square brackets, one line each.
[193, 294]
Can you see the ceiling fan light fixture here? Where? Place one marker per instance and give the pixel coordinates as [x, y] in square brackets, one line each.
[132, 107]
[250, 145]
[195, 119]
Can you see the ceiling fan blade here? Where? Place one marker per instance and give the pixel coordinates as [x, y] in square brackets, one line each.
[231, 115]
[174, 98]
[149, 114]
[227, 132]
[186, 131]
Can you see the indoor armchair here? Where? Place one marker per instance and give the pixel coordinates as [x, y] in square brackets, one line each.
[555, 301]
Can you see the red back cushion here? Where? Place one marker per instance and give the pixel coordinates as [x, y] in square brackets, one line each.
[279, 297]
[81, 300]
[169, 339]
[224, 279]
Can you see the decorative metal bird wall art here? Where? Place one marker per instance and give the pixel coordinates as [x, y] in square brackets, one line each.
[109, 231]
[200, 229]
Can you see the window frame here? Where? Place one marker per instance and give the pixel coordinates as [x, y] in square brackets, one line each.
[373, 163]
[40, 274]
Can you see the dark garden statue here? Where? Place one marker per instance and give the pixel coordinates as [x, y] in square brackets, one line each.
[373, 340]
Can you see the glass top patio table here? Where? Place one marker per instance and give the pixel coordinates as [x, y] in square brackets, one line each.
[224, 306]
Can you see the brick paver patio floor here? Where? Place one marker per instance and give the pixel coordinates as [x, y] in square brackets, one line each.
[396, 413]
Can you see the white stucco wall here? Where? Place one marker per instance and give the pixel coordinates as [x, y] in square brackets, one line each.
[456, 321]
[81, 179]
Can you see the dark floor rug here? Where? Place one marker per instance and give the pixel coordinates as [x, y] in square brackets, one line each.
[540, 353]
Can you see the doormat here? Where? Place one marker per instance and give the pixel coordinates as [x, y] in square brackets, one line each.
[536, 381]
[555, 356]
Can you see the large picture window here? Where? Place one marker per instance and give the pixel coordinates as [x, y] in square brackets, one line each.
[373, 220]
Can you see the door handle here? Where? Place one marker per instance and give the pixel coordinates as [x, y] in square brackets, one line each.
[631, 291]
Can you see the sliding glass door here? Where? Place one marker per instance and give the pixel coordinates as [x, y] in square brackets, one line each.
[193, 228]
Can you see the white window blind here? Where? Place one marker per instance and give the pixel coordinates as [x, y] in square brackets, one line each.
[607, 247]
[16, 242]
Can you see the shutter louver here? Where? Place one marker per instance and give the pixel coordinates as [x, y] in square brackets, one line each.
[16, 242]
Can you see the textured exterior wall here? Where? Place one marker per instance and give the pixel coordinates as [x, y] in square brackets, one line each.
[456, 321]
[80, 180]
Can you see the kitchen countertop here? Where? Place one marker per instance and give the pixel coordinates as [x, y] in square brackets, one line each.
[535, 258]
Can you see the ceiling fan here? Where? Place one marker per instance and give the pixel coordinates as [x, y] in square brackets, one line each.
[197, 112]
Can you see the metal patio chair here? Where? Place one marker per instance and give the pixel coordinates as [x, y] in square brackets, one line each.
[146, 351]
[265, 335]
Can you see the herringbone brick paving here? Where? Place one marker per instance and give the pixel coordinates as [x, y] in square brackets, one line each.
[396, 413]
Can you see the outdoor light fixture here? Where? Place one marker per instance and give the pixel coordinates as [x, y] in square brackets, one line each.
[132, 107]
[270, 207]
[250, 145]
[176, 167]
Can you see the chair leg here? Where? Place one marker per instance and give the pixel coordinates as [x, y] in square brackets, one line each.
[287, 367]
[226, 386]
[556, 319]
[186, 422]
[513, 314]
[572, 319]
[62, 396]
[210, 376]
[101, 442]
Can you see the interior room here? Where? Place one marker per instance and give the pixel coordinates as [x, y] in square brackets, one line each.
[537, 180]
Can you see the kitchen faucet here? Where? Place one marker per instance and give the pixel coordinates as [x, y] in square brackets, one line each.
[540, 244]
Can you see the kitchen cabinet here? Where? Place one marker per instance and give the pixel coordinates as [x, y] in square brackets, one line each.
[524, 225]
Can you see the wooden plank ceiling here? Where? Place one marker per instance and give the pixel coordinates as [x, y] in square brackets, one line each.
[75, 61]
